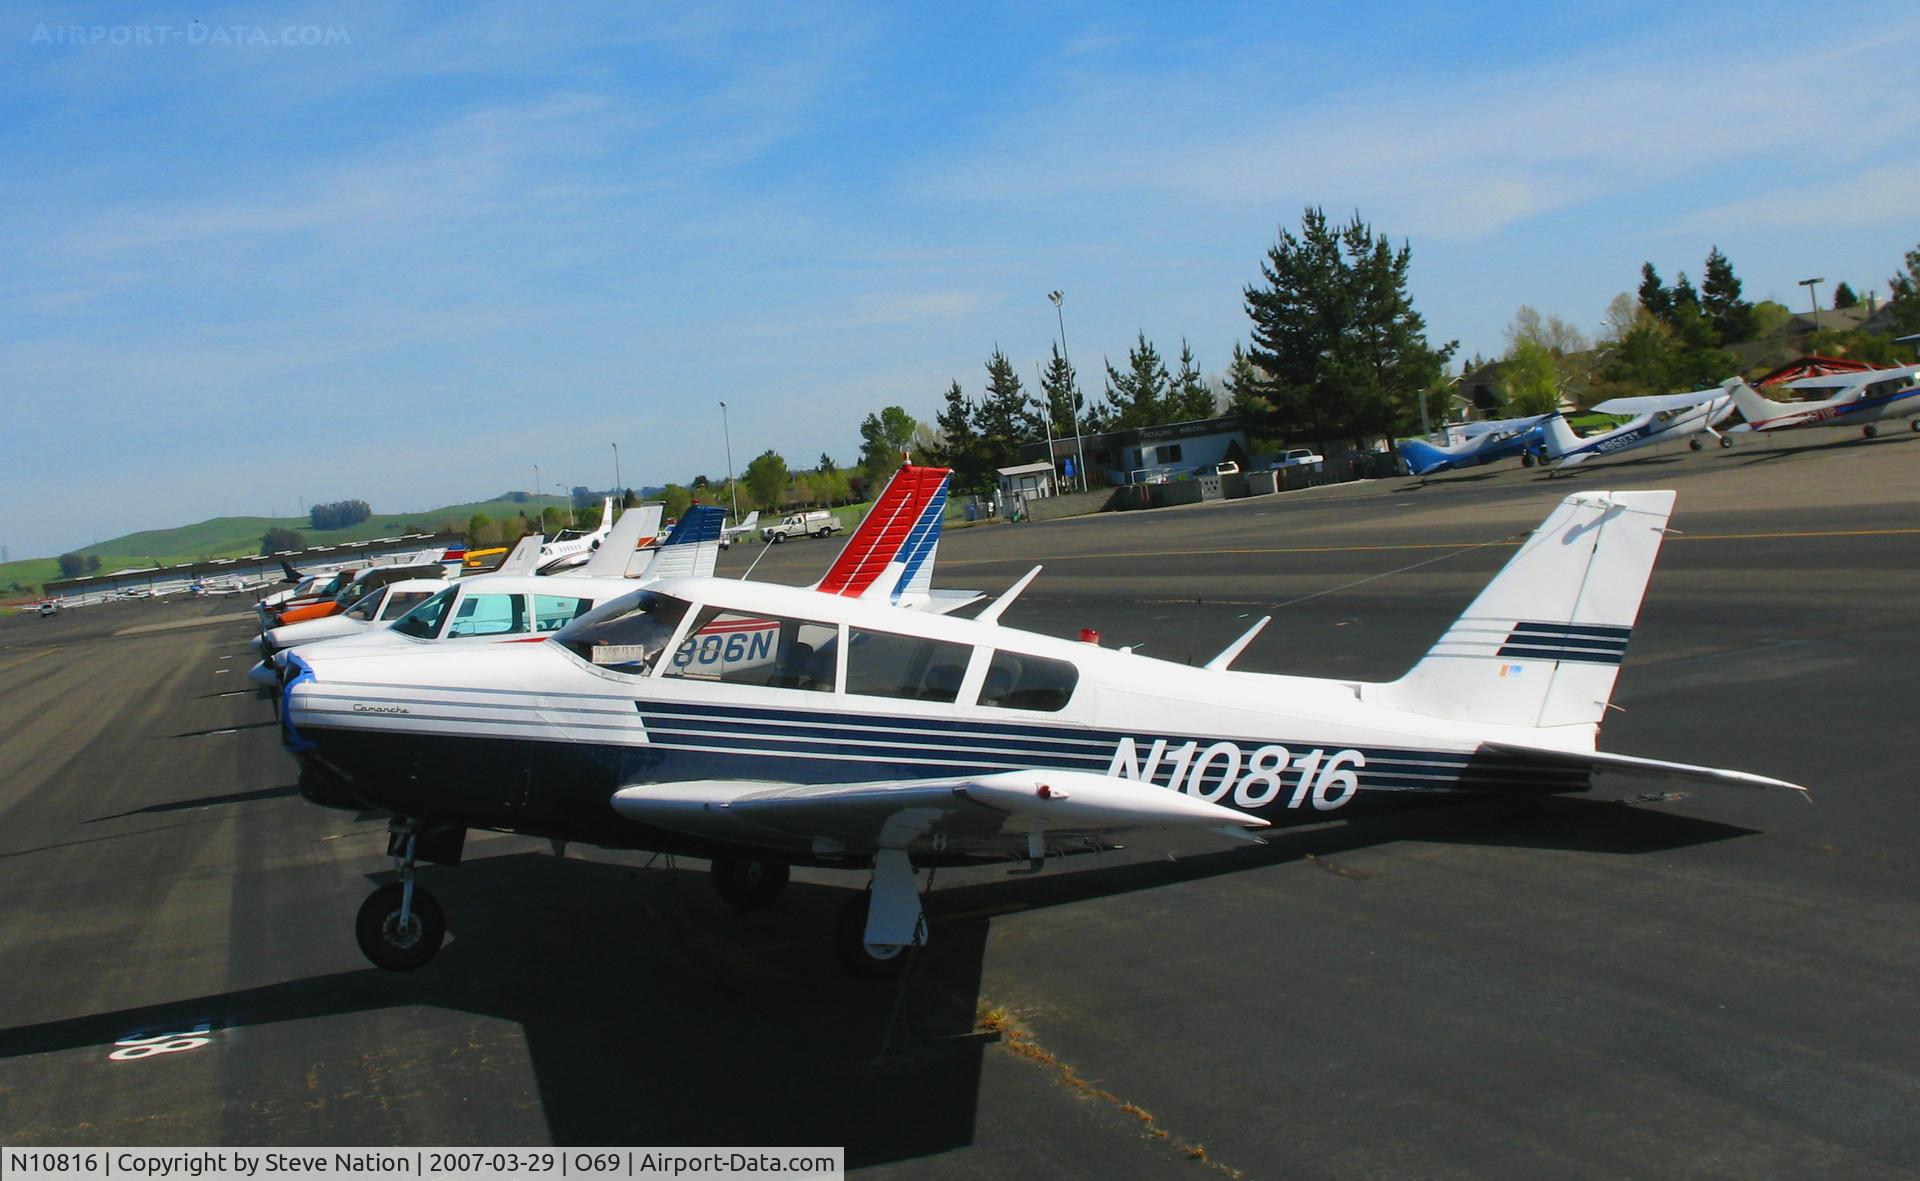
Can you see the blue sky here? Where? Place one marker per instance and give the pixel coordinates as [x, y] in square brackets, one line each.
[458, 241]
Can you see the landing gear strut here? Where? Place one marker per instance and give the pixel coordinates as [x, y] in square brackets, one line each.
[878, 929]
[401, 926]
[749, 885]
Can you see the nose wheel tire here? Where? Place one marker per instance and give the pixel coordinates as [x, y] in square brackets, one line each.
[1694, 444]
[868, 961]
[392, 944]
[1725, 441]
[749, 885]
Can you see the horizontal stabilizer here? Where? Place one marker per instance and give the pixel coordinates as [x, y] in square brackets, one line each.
[1646, 768]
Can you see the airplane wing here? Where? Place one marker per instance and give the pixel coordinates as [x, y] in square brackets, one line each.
[1474, 430]
[1006, 814]
[1841, 381]
[1646, 768]
[1654, 403]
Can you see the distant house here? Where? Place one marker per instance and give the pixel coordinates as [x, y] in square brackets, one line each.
[1144, 453]
[1028, 480]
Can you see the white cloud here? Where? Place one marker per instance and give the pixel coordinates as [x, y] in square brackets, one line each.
[1869, 196]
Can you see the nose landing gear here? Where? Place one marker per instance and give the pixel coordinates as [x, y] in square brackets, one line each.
[401, 926]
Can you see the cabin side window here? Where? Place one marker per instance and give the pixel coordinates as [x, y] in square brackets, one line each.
[881, 664]
[736, 648]
[401, 602]
[1016, 680]
[489, 615]
[365, 608]
[626, 635]
[423, 622]
[553, 612]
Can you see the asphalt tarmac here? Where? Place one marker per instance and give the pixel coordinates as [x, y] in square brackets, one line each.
[1641, 981]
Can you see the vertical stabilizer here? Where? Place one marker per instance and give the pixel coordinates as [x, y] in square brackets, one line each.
[1559, 437]
[1542, 644]
[524, 556]
[894, 546]
[636, 527]
[691, 549]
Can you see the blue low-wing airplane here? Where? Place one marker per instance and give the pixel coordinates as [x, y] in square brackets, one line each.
[1485, 442]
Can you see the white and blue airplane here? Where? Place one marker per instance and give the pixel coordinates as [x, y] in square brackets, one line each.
[881, 741]
[1861, 399]
[1482, 443]
[1659, 418]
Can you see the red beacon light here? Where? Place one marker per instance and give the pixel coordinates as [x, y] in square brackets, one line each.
[1089, 636]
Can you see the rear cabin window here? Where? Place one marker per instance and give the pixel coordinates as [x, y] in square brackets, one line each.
[423, 622]
[402, 602]
[739, 649]
[553, 612]
[1016, 680]
[881, 664]
[488, 615]
[365, 608]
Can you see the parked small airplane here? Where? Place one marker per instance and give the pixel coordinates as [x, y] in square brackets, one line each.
[743, 529]
[567, 546]
[1863, 400]
[766, 726]
[1483, 442]
[1660, 417]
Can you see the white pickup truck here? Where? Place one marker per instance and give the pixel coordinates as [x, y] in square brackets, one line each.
[815, 524]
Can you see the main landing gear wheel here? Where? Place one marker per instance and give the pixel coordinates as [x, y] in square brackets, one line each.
[1914, 424]
[1526, 459]
[1726, 440]
[1870, 430]
[868, 961]
[749, 885]
[1694, 444]
[397, 941]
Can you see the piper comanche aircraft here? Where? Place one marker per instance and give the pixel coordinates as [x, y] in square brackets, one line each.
[1660, 417]
[1484, 442]
[767, 726]
[1863, 400]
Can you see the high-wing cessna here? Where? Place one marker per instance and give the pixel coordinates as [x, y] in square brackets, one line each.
[1862, 400]
[1484, 442]
[767, 726]
[1660, 417]
[744, 529]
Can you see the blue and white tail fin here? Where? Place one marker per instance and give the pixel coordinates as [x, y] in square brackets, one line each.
[1423, 457]
[635, 528]
[692, 548]
[1558, 436]
[1541, 646]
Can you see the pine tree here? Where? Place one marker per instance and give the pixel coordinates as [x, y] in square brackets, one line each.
[1189, 398]
[1731, 317]
[1656, 299]
[960, 444]
[1138, 397]
[1060, 391]
[1843, 296]
[1339, 347]
[1006, 418]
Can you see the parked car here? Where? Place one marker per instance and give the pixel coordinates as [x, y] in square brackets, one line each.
[1297, 457]
[1225, 467]
[49, 607]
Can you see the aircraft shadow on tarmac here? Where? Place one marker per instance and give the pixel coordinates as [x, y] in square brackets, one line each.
[650, 1009]
[236, 797]
[1772, 453]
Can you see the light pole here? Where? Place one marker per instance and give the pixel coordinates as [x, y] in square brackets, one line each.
[1080, 447]
[731, 490]
[618, 489]
[1814, 295]
[573, 521]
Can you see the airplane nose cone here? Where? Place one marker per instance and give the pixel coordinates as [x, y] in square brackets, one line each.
[257, 645]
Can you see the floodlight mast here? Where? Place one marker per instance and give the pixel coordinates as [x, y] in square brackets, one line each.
[1080, 448]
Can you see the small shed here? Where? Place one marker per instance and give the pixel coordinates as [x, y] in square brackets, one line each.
[1030, 481]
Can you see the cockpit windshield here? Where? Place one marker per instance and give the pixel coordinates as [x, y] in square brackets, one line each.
[629, 636]
[423, 622]
[366, 607]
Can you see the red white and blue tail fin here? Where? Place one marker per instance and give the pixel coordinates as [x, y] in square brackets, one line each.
[890, 556]
[1542, 645]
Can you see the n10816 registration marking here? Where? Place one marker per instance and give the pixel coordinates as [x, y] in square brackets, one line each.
[1212, 771]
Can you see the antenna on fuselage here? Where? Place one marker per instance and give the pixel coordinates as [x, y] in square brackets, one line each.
[992, 613]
